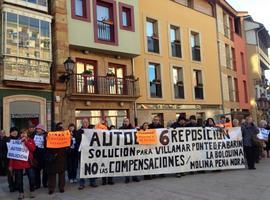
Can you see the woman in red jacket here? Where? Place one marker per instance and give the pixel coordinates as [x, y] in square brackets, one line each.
[18, 166]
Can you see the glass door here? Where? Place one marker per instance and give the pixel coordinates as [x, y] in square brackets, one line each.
[117, 79]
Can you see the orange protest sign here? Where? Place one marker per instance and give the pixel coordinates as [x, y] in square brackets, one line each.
[101, 127]
[58, 139]
[147, 137]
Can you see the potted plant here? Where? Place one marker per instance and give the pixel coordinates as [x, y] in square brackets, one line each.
[156, 81]
[110, 74]
[130, 77]
[177, 41]
[87, 73]
[107, 21]
[179, 83]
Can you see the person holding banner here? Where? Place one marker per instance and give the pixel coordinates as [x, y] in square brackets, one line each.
[12, 182]
[249, 132]
[17, 164]
[106, 180]
[181, 121]
[3, 154]
[156, 123]
[85, 125]
[72, 158]
[192, 122]
[55, 164]
[39, 157]
[127, 125]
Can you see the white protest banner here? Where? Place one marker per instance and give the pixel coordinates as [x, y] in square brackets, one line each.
[17, 150]
[117, 152]
[39, 141]
[263, 135]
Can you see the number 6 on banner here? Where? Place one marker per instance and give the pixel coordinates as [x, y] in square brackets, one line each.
[164, 139]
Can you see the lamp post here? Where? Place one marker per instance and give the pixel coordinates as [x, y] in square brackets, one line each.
[69, 67]
[64, 78]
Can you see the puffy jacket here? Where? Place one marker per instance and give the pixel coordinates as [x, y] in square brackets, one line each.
[21, 164]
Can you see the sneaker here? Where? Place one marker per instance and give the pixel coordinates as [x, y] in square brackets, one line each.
[21, 196]
[81, 187]
[110, 182]
[62, 191]
[75, 180]
[50, 192]
[94, 185]
[32, 195]
[71, 181]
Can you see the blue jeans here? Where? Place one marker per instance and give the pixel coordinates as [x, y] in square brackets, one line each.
[91, 181]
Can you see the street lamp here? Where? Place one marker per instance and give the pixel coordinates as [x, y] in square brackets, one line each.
[69, 67]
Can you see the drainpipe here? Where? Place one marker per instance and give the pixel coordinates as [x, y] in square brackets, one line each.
[135, 104]
[220, 69]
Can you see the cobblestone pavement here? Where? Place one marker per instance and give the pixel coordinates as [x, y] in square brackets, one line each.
[225, 185]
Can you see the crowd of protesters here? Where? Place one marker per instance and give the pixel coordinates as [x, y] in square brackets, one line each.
[44, 164]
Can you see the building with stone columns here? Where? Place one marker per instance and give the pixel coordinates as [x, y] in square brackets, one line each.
[26, 57]
[102, 37]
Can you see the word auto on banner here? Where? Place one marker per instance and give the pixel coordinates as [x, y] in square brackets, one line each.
[118, 152]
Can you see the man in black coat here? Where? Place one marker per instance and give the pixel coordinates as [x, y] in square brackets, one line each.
[3, 154]
[128, 125]
[85, 125]
[156, 123]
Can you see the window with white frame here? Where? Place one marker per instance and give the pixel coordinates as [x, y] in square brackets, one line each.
[155, 83]
[178, 83]
[198, 84]
[152, 35]
[175, 42]
[26, 47]
[195, 46]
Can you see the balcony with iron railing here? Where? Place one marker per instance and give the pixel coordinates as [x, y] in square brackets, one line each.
[176, 49]
[196, 53]
[105, 30]
[111, 86]
[199, 92]
[153, 44]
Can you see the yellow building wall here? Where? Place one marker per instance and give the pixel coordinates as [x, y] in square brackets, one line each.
[81, 33]
[254, 69]
[187, 19]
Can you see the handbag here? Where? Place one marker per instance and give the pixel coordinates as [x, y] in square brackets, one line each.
[255, 141]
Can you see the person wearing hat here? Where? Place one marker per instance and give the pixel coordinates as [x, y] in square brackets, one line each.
[192, 122]
[181, 121]
[39, 157]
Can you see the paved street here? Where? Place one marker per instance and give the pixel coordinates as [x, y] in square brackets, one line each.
[233, 185]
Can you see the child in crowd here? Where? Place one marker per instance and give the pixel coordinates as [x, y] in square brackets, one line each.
[18, 166]
[39, 157]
